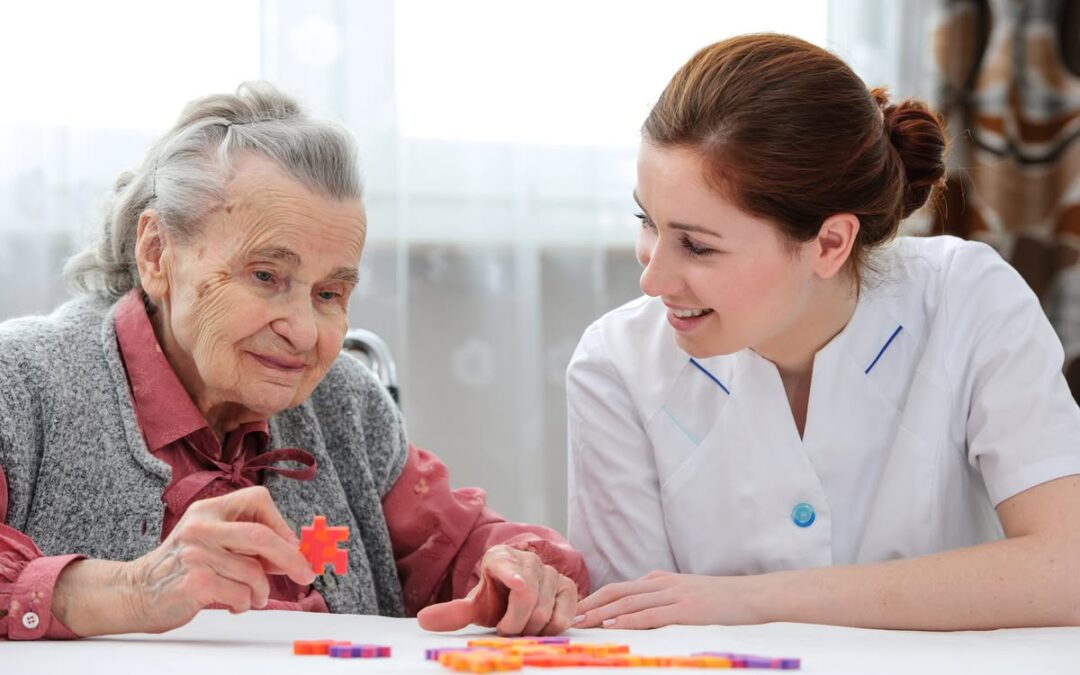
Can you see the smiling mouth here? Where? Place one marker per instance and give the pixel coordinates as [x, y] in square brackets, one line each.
[280, 365]
[690, 313]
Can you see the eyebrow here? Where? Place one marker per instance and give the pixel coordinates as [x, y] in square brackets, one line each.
[350, 275]
[279, 253]
[681, 226]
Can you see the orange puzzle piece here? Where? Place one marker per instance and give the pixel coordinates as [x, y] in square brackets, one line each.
[318, 544]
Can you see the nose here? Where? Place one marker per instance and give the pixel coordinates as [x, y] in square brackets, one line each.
[661, 276]
[297, 323]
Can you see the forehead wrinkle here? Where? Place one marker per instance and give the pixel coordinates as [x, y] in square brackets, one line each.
[293, 216]
[265, 212]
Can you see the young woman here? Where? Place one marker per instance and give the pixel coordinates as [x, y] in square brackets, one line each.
[808, 418]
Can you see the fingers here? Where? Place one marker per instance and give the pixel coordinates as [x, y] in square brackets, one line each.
[252, 504]
[613, 592]
[256, 540]
[519, 607]
[244, 571]
[521, 573]
[235, 596]
[562, 614]
[652, 617]
[220, 552]
[446, 616]
[506, 567]
[545, 601]
[628, 604]
[517, 593]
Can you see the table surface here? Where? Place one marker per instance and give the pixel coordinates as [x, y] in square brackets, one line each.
[217, 641]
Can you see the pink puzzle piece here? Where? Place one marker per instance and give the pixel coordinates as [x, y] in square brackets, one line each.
[318, 543]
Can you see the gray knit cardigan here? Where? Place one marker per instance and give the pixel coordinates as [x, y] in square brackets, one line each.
[81, 479]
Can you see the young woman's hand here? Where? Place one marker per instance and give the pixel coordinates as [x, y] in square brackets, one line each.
[664, 598]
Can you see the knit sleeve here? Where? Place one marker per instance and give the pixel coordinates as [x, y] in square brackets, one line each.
[27, 579]
[20, 416]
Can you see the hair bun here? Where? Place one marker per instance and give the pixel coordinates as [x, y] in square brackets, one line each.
[918, 135]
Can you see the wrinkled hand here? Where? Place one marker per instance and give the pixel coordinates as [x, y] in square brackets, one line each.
[664, 598]
[518, 594]
[219, 552]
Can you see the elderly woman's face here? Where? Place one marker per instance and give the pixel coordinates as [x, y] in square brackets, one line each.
[253, 310]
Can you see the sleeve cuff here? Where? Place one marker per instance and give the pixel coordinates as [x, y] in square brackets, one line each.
[30, 614]
[1026, 477]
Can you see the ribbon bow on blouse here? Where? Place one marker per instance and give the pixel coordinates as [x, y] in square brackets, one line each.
[242, 460]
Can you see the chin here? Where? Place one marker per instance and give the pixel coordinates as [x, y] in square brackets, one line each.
[703, 349]
[269, 403]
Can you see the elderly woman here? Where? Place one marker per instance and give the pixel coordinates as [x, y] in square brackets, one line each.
[163, 435]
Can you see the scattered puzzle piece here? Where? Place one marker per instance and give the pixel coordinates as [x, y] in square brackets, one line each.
[435, 653]
[340, 650]
[497, 653]
[318, 543]
[351, 651]
[481, 661]
[751, 661]
[597, 649]
[314, 647]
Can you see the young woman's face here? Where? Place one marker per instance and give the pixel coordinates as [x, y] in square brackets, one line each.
[729, 279]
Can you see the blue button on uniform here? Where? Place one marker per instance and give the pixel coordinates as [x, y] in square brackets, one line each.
[803, 515]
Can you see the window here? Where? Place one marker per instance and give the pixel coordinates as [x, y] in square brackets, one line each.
[62, 59]
[563, 71]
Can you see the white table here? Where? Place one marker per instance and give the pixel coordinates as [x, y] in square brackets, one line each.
[261, 642]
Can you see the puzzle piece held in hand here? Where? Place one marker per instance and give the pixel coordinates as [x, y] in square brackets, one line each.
[318, 543]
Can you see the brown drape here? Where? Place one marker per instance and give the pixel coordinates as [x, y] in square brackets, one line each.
[1010, 74]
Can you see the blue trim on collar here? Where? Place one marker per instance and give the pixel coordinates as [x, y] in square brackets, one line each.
[886, 346]
[711, 376]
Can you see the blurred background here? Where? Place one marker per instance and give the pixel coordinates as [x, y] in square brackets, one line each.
[498, 142]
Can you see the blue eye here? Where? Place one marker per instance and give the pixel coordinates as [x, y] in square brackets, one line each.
[328, 296]
[263, 276]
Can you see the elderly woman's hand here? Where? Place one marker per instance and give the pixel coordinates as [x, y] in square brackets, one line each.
[220, 552]
[518, 594]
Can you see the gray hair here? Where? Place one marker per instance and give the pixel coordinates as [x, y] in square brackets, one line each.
[183, 175]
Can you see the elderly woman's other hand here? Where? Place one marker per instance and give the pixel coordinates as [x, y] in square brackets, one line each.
[518, 594]
[219, 553]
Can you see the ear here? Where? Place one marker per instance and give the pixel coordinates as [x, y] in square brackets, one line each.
[151, 255]
[834, 243]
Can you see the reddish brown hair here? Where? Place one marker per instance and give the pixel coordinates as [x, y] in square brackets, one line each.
[792, 135]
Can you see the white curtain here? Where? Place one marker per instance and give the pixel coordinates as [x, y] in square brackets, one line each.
[498, 149]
